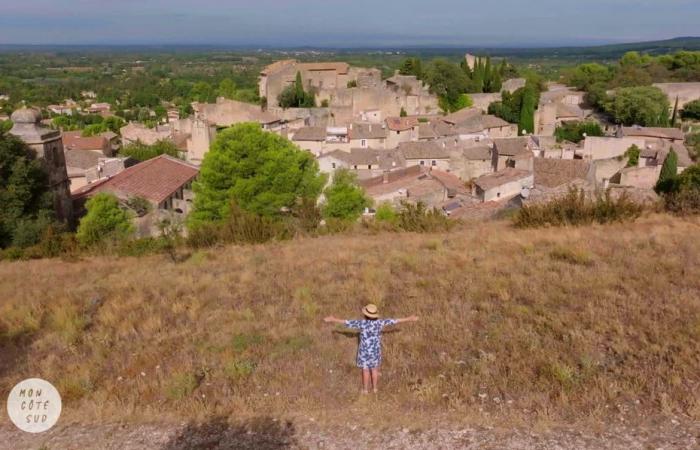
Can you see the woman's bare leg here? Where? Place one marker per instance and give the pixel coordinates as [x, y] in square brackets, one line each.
[365, 380]
[375, 378]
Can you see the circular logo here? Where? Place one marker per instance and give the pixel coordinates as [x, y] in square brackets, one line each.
[34, 405]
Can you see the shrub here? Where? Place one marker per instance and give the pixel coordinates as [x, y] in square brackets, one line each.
[105, 221]
[632, 155]
[421, 219]
[345, 199]
[576, 208]
[238, 369]
[574, 132]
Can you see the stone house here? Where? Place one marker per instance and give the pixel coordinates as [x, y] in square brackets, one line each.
[164, 182]
[368, 135]
[472, 161]
[517, 152]
[401, 129]
[315, 76]
[502, 185]
[320, 140]
[672, 135]
[364, 162]
[427, 154]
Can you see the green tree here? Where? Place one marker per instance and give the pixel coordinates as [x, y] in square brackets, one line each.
[669, 173]
[632, 155]
[448, 81]
[574, 132]
[586, 75]
[259, 171]
[691, 110]
[227, 89]
[642, 105]
[142, 152]
[412, 66]
[526, 122]
[24, 195]
[294, 96]
[345, 199]
[105, 221]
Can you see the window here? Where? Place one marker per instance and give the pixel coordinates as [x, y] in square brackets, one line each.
[498, 195]
[354, 167]
[422, 163]
[333, 165]
[434, 163]
[369, 166]
[364, 143]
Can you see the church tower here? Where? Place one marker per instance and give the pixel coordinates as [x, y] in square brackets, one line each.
[48, 148]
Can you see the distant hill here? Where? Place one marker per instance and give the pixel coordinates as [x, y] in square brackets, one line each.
[597, 52]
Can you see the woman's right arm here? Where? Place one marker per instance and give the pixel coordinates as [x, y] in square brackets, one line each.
[331, 319]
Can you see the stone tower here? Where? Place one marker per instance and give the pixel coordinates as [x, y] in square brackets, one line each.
[48, 148]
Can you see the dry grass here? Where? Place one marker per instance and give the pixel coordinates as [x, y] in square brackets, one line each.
[556, 324]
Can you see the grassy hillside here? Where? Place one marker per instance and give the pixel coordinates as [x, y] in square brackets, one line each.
[560, 325]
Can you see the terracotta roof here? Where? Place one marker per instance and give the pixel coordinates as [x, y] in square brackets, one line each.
[401, 123]
[155, 179]
[73, 140]
[553, 173]
[367, 131]
[658, 132]
[512, 146]
[423, 150]
[500, 178]
[310, 134]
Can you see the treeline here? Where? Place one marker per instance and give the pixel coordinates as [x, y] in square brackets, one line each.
[43, 79]
[451, 82]
[624, 90]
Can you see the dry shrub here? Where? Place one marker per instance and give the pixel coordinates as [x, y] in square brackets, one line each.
[684, 202]
[577, 208]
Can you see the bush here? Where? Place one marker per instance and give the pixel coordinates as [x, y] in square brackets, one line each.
[576, 208]
[105, 221]
[143, 152]
[240, 227]
[574, 132]
[345, 199]
[421, 219]
[684, 202]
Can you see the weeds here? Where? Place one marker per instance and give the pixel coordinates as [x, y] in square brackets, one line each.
[576, 208]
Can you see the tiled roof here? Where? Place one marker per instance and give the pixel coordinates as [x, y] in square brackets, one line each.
[553, 173]
[367, 131]
[384, 159]
[461, 116]
[310, 134]
[401, 123]
[512, 146]
[80, 159]
[476, 153]
[500, 178]
[155, 179]
[423, 150]
[73, 140]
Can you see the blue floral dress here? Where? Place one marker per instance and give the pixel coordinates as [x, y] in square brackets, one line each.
[369, 353]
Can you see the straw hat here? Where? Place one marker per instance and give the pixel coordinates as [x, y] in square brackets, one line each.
[371, 311]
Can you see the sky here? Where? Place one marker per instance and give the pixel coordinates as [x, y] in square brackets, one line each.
[347, 23]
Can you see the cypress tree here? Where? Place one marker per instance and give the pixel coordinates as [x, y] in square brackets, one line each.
[675, 113]
[299, 90]
[669, 172]
[488, 76]
[527, 111]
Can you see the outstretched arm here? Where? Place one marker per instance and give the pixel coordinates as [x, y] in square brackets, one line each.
[331, 319]
[408, 319]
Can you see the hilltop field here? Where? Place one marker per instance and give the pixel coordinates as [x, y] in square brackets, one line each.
[595, 326]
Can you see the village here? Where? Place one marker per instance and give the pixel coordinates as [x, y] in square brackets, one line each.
[391, 133]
